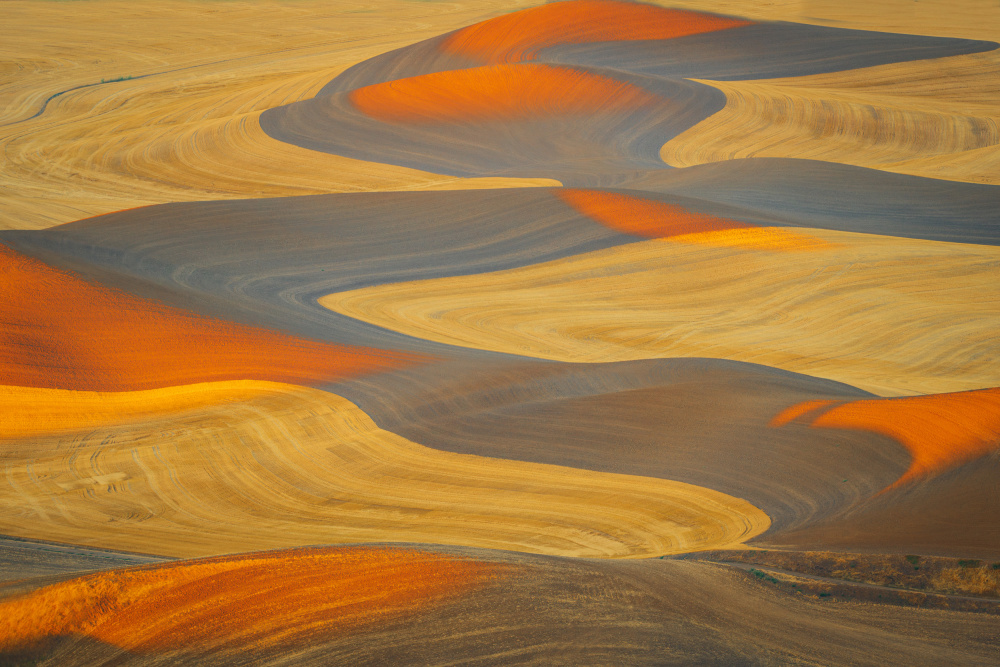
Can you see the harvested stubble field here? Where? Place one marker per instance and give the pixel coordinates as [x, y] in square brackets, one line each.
[499, 332]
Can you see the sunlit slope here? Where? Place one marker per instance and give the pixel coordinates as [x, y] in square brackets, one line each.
[265, 261]
[520, 35]
[378, 109]
[649, 218]
[30, 411]
[935, 118]
[498, 93]
[830, 195]
[940, 431]
[300, 466]
[183, 125]
[525, 120]
[700, 421]
[854, 310]
[427, 605]
[946, 500]
[60, 331]
[279, 600]
[762, 51]
[638, 37]
[950, 514]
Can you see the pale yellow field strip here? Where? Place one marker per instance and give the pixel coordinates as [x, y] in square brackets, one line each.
[189, 131]
[297, 466]
[969, 19]
[855, 310]
[936, 118]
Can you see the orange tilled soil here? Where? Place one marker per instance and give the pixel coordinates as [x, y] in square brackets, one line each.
[263, 600]
[643, 217]
[498, 92]
[800, 410]
[655, 219]
[61, 332]
[941, 431]
[519, 36]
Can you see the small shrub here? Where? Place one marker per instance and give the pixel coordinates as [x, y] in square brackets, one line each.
[969, 562]
[762, 575]
[996, 566]
[913, 559]
[824, 595]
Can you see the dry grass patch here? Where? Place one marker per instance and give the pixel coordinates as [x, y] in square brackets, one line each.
[926, 574]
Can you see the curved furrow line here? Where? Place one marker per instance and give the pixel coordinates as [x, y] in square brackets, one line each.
[636, 43]
[941, 431]
[62, 332]
[275, 465]
[945, 502]
[762, 51]
[912, 118]
[266, 262]
[379, 605]
[810, 193]
[699, 421]
[202, 607]
[189, 134]
[577, 125]
[849, 309]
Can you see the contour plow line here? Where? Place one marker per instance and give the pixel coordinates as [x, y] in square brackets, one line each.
[295, 466]
[837, 305]
[933, 118]
[940, 431]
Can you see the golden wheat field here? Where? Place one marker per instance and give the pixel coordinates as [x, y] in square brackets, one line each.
[499, 332]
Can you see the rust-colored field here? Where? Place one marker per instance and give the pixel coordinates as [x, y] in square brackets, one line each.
[261, 600]
[800, 410]
[519, 36]
[941, 431]
[498, 93]
[62, 332]
[653, 219]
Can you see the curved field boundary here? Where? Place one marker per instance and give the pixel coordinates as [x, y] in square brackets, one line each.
[498, 93]
[446, 606]
[301, 466]
[31, 411]
[519, 36]
[854, 311]
[915, 118]
[270, 600]
[941, 431]
[63, 332]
